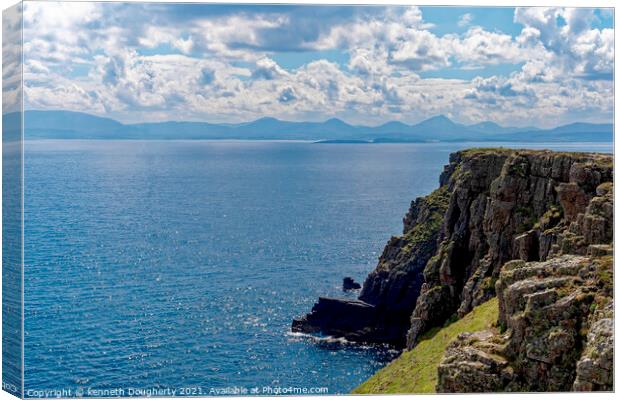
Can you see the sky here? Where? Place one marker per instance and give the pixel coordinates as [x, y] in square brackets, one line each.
[367, 65]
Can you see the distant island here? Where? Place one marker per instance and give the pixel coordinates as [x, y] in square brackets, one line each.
[57, 124]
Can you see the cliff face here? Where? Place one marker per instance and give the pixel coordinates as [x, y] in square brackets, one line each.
[506, 205]
[555, 325]
[493, 206]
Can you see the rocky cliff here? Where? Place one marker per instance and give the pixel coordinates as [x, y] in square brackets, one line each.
[555, 332]
[505, 205]
[552, 211]
[383, 311]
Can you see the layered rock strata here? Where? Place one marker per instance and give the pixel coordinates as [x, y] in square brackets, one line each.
[555, 331]
[505, 205]
[493, 206]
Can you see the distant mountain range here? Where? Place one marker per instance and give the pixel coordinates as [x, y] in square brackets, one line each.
[75, 125]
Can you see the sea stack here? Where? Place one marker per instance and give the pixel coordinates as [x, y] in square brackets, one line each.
[349, 284]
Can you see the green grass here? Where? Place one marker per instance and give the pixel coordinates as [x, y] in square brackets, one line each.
[415, 371]
[601, 159]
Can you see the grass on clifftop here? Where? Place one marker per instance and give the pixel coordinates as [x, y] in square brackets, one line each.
[604, 158]
[415, 371]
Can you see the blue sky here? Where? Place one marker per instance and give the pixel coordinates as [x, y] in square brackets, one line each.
[364, 64]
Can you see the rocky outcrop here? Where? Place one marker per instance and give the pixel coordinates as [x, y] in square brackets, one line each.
[505, 205]
[389, 293]
[492, 206]
[595, 367]
[555, 331]
[350, 319]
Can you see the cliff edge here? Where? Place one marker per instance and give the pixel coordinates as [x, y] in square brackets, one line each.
[552, 211]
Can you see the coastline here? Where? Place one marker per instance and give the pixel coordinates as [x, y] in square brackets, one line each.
[552, 212]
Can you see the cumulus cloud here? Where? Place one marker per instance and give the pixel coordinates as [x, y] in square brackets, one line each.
[267, 69]
[465, 20]
[12, 60]
[479, 47]
[495, 89]
[423, 51]
[567, 35]
[142, 61]
[394, 37]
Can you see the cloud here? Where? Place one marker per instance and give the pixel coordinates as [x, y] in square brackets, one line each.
[479, 47]
[146, 61]
[465, 20]
[422, 51]
[493, 88]
[396, 36]
[566, 34]
[267, 69]
[12, 93]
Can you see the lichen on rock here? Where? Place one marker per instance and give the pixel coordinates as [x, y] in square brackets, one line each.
[554, 332]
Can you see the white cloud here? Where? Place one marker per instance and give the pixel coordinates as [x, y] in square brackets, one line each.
[423, 51]
[465, 20]
[12, 93]
[479, 47]
[579, 49]
[223, 66]
[268, 69]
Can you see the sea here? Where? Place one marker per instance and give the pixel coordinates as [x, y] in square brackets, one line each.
[176, 267]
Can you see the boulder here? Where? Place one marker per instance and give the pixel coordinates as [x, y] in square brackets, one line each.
[341, 318]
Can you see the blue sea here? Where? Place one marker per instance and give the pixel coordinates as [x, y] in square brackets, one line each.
[180, 264]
